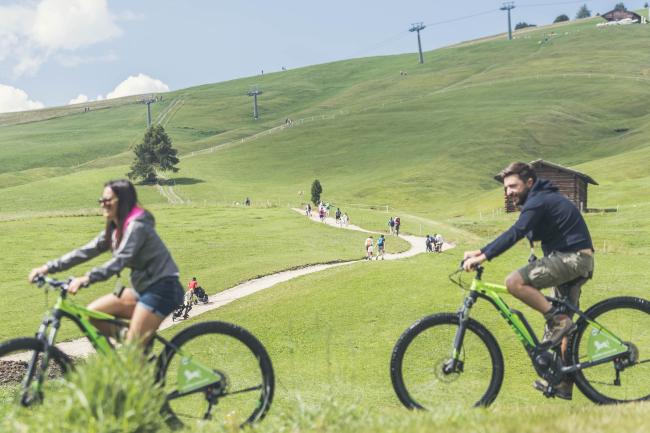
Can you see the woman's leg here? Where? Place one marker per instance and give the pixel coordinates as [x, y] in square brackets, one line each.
[121, 307]
[143, 324]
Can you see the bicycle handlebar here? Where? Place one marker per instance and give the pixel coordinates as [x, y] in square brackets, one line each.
[42, 280]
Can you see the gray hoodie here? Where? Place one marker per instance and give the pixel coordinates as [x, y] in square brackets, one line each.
[141, 250]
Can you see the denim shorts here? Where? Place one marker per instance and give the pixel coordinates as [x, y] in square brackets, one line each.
[162, 297]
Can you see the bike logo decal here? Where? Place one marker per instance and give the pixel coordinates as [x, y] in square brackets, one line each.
[601, 344]
[193, 375]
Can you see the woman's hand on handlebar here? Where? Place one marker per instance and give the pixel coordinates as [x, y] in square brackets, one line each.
[77, 283]
[42, 270]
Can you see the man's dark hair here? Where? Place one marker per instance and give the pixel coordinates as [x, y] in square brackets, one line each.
[521, 169]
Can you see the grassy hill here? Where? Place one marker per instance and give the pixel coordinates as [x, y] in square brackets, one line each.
[423, 145]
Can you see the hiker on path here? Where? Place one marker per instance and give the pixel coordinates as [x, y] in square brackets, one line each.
[391, 225]
[321, 214]
[338, 216]
[345, 219]
[308, 210]
[437, 243]
[381, 244]
[369, 247]
[397, 225]
[428, 242]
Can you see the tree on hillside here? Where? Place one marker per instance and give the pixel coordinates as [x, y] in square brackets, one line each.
[583, 12]
[645, 5]
[620, 7]
[561, 18]
[155, 152]
[316, 190]
[523, 25]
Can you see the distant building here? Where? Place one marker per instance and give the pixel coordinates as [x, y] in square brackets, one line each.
[571, 183]
[619, 15]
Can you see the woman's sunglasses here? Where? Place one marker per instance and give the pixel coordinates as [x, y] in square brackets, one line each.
[104, 201]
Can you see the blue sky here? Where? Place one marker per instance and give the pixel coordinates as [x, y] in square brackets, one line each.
[53, 51]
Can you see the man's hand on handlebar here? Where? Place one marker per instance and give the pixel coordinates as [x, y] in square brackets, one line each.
[473, 259]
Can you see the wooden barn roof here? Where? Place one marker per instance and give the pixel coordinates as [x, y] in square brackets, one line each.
[541, 162]
[615, 15]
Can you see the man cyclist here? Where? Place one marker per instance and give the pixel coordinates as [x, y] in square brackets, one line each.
[549, 217]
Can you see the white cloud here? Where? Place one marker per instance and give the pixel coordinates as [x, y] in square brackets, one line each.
[137, 85]
[79, 99]
[32, 32]
[71, 24]
[13, 99]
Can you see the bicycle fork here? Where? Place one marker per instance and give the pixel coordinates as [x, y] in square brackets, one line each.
[36, 369]
[455, 364]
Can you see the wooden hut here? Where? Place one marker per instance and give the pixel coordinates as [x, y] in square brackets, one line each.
[571, 183]
[621, 14]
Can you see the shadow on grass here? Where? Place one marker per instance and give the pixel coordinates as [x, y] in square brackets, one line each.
[180, 181]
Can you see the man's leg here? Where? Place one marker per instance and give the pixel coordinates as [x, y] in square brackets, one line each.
[527, 294]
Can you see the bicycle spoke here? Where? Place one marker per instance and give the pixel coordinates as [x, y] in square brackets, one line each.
[252, 388]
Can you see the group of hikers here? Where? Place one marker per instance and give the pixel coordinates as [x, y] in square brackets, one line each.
[370, 246]
[193, 295]
[342, 218]
[393, 225]
[434, 243]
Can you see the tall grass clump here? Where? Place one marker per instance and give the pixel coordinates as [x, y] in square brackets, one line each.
[105, 394]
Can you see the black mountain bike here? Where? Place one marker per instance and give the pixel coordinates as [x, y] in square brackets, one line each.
[208, 370]
[450, 358]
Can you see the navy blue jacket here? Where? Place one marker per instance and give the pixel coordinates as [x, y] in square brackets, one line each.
[546, 216]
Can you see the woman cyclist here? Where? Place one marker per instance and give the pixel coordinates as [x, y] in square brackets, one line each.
[130, 236]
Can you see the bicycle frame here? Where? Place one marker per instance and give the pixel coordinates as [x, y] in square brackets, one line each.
[522, 329]
[192, 375]
[81, 316]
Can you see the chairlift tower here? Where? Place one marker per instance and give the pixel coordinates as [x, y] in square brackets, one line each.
[416, 28]
[149, 101]
[254, 93]
[508, 6]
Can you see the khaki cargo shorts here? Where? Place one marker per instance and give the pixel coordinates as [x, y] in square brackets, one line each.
[564, 272]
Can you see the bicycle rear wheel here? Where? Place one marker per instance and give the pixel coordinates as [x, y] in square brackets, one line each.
[421, 354]
[23, 369]
[625, 378]
[244, 392]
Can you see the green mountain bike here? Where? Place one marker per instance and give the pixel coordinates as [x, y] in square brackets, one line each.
[208, 370]
[450, 358]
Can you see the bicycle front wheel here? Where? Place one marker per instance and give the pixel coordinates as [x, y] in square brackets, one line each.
[24, 369]
[420, 362]
[625, 378]
[244, 390]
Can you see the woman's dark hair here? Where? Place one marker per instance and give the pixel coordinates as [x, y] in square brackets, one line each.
[127, 199]
[521, 169]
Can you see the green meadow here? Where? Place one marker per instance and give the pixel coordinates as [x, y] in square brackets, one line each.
[423, 146]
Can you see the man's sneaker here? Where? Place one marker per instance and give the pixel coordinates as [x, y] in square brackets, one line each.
[563, 390]
[556, 329]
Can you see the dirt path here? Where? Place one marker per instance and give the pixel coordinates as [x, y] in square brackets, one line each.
[81, 346]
